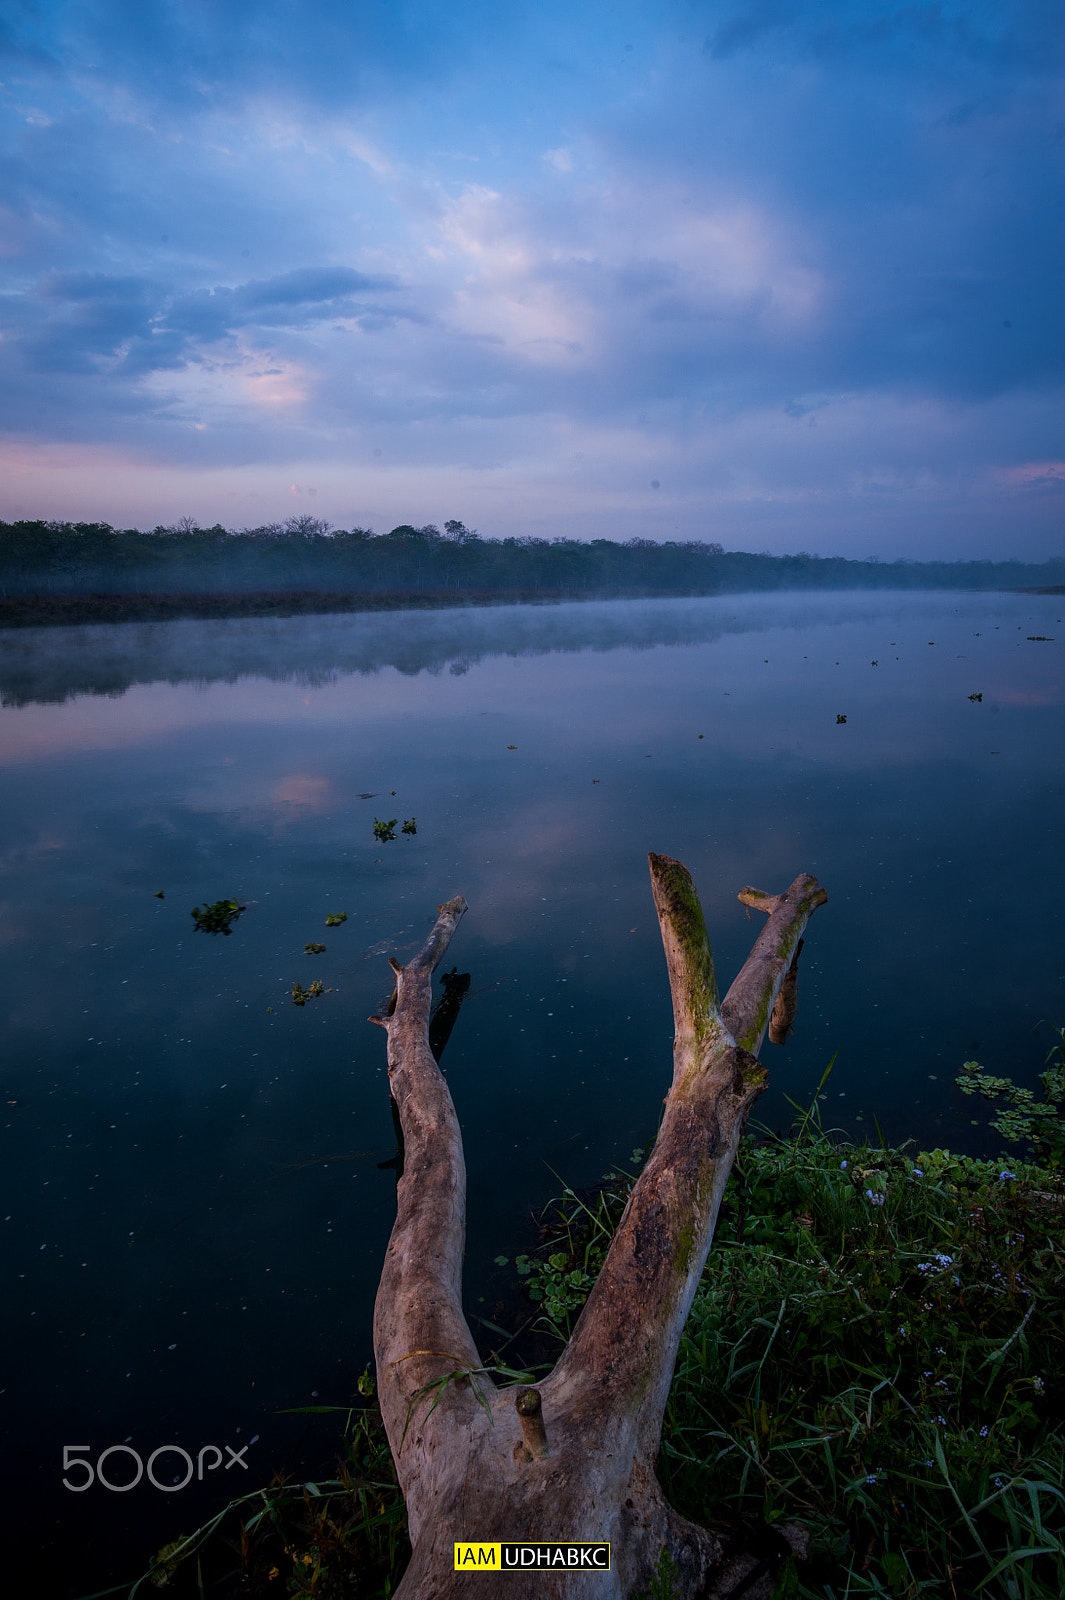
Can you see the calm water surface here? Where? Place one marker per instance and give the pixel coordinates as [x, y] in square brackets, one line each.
[195, 1211]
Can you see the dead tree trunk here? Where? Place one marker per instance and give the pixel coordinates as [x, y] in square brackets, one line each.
[574, 1458]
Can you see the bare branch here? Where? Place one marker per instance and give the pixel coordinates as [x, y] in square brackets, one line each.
[420, 1333]
[746, 1008]
[781, 1023]
[619, 1362]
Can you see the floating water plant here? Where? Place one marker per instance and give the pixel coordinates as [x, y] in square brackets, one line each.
[976, 697]
[841, 717]
[334, 919]
[217, 916]
[313, 949]
[384, 830]
[1039, 1123]
[300, 995]
[410, 826]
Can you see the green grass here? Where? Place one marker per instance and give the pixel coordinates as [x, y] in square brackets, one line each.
[876, 1350]
[340, 1538]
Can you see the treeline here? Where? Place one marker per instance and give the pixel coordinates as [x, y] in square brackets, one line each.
[306, 555]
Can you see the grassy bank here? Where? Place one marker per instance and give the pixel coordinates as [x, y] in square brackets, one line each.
[876, 1351]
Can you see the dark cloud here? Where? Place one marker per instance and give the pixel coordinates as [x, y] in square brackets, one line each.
[750, 26]
[494, 238]
[196, 53]
[24, 31]
[885, 33]
[309, 286]
[125, 326]
[89, 319]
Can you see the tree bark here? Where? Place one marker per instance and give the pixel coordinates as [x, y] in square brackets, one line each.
[573, 1457]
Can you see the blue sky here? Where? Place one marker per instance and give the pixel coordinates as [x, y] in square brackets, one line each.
[786, 275]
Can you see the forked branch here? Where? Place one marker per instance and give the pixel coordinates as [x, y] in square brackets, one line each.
[574, 1456]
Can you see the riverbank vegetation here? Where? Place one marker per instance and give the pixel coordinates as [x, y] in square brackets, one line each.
[876, 1352]
[87, 571]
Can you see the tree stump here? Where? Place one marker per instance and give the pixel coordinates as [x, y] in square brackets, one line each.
[572, 1458]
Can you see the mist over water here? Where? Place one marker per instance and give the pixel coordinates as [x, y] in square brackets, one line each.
[54, 663]
[197, 1211]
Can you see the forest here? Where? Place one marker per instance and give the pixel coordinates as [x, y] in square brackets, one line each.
[306, 556]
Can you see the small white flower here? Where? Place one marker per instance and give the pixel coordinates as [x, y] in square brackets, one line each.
[917, 1172]
[1004, 1175]
[843, 1166]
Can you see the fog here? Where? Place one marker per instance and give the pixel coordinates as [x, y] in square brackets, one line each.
[52, 664]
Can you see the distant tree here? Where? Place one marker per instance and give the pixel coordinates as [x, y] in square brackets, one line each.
[458, 532]
[307, 527]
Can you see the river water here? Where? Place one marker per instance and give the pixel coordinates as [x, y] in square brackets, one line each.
[195, 1203]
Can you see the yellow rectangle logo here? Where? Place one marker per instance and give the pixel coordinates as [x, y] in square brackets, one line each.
[529, 1555]
[477, 1558]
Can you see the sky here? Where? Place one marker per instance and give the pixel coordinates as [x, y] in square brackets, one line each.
[784, 274]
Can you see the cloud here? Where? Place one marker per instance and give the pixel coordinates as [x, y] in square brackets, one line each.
[241, 241]
[309, 286]
[94, 323]
[1035, 476]
[837, 30]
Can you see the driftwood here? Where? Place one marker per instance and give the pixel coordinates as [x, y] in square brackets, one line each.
[573, 1457]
